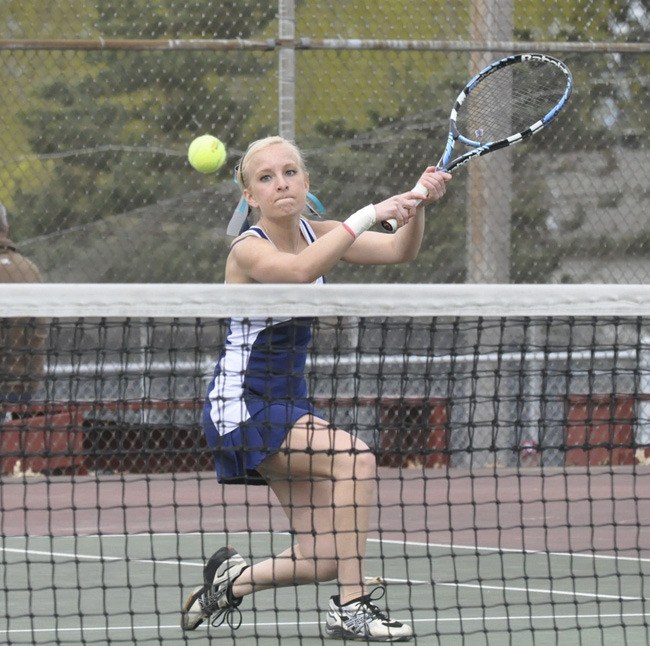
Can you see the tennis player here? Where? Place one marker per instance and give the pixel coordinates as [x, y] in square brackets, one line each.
[258, 419]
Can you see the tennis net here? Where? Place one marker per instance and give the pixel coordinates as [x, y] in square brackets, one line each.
[511, 426]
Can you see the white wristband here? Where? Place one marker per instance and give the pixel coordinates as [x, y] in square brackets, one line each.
[362, 220]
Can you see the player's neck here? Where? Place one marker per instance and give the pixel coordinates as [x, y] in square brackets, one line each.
[285, 235]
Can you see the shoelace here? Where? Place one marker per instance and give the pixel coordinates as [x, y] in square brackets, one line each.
[370, 608]
[366, 604]
[228, 616]
[209, 603]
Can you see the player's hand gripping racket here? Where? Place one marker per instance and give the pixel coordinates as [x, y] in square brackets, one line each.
[505, 103]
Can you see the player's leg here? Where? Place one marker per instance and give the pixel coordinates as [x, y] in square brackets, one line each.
[327, 498]
[330, 485]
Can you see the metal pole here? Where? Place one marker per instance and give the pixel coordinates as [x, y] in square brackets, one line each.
[490, 179]
[287, 69]
[643, 413]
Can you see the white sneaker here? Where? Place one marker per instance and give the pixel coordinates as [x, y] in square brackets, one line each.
[215, 596]
[362, 620]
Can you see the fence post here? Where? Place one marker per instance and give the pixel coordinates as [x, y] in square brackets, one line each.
[287, 69]
[642, 435]
[490, 182]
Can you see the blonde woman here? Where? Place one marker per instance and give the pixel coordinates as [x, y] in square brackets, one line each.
[259, 421]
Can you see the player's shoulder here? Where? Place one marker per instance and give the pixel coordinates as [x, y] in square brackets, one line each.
[249, 234]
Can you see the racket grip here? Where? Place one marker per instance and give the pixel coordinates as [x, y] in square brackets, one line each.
[391, 225]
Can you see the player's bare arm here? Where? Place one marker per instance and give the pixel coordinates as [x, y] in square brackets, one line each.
[373, 247]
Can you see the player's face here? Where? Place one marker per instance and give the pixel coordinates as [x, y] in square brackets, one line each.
[277, 183]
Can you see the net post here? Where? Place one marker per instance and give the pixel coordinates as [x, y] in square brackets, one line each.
[642, 435]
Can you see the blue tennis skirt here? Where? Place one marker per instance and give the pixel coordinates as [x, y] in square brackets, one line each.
[237, 454]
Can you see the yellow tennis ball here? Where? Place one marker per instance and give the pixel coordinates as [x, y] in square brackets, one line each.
[207, 154]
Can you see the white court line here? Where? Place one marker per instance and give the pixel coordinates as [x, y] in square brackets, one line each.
[510, 588]
[276, 624]
[95, 557]
[445, 546]
[514, 550]
[477, 586]
[475, 548]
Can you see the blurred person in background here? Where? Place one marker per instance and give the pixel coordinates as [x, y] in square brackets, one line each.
[22, 340]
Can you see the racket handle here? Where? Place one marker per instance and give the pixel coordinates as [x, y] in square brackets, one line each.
[391, 225]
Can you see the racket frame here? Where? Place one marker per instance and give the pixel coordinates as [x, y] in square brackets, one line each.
[479, 149]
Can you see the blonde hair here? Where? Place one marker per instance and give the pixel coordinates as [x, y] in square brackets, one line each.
[241, 174]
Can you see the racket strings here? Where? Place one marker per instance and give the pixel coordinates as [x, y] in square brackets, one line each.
[510, 100]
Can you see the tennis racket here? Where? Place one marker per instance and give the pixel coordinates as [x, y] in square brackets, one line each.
[505, 103]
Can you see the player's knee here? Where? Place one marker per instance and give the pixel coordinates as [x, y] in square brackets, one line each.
[359, 464]
[365, 464]
[349, 458]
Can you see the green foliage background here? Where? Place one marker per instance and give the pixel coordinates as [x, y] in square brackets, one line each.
[98, 139]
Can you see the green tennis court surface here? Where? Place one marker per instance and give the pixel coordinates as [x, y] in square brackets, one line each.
[127, 587]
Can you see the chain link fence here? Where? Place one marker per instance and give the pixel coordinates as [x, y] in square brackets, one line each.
[101, 99]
